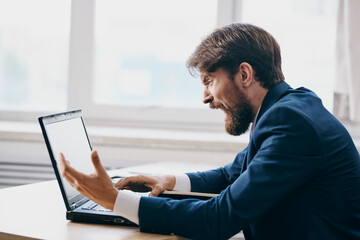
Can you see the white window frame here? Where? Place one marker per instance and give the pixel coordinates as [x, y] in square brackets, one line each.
[80, 81]
[81, 71]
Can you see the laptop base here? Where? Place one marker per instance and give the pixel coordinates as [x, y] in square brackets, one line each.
[98, 218]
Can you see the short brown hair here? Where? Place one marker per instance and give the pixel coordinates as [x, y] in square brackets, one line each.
[233, 44]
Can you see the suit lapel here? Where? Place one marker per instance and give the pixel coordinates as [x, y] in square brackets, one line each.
[273, 95]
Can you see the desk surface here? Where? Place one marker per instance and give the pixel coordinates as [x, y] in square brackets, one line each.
[37, 211]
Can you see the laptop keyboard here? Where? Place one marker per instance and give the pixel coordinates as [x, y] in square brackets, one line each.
[94, 206]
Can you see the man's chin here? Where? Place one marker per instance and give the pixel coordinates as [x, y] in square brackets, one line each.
[236, 130]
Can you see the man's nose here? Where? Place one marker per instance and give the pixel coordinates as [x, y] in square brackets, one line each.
[208, 98]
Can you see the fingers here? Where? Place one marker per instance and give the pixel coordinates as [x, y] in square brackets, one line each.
[122, 183]
[63, 163]
[156, 191]
[131, 181]
[141, 184]
[100, 170]
[71, 175]
[62, 158]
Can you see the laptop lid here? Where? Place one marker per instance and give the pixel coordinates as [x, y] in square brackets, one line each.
[66, 133]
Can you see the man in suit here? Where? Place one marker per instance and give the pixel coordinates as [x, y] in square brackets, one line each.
[299, 177]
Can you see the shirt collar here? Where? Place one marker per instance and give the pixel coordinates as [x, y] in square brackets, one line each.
[273, 95]
[254, 122]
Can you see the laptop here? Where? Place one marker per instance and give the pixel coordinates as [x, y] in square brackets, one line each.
[66, 133]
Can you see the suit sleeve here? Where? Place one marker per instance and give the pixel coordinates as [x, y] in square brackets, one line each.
[288, 156]
[214, 181]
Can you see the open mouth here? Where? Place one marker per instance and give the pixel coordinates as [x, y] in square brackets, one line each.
[226, 113]
[221, 107]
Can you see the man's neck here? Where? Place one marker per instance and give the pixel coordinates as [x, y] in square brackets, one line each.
[257, 99]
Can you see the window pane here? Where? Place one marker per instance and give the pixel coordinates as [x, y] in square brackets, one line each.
[305, 30]
[34, 38]
[141, 49]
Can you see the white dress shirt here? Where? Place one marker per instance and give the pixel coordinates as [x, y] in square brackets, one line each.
[127, 202]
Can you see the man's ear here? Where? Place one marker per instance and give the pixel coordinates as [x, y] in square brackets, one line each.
[247, 74]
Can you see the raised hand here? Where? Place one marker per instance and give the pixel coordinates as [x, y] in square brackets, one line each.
[96, 186]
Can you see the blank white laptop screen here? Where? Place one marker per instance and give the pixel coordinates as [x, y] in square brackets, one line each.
[70, 138]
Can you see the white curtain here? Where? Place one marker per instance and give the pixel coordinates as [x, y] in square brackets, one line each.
[347, 67]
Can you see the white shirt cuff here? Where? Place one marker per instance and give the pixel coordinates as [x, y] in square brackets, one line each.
[127, 205]
[182, 183]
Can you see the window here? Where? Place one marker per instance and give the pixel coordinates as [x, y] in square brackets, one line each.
[305, 31]
[141, 48]
[34, 38]
[126, 62]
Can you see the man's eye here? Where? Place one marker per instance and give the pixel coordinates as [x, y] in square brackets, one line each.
[208, 81]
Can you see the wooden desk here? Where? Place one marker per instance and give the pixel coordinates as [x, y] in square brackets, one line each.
[37, 211]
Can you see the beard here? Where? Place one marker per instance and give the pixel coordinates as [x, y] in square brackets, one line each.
[239, 116]
[239, 119]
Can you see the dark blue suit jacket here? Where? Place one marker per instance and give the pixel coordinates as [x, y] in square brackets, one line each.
[299, 178]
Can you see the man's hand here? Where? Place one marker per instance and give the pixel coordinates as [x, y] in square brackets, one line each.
[97, 186]
[155, 184]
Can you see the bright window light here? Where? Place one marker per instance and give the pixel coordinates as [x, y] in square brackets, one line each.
[141, 49]
[306, 32]
[34, 40]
